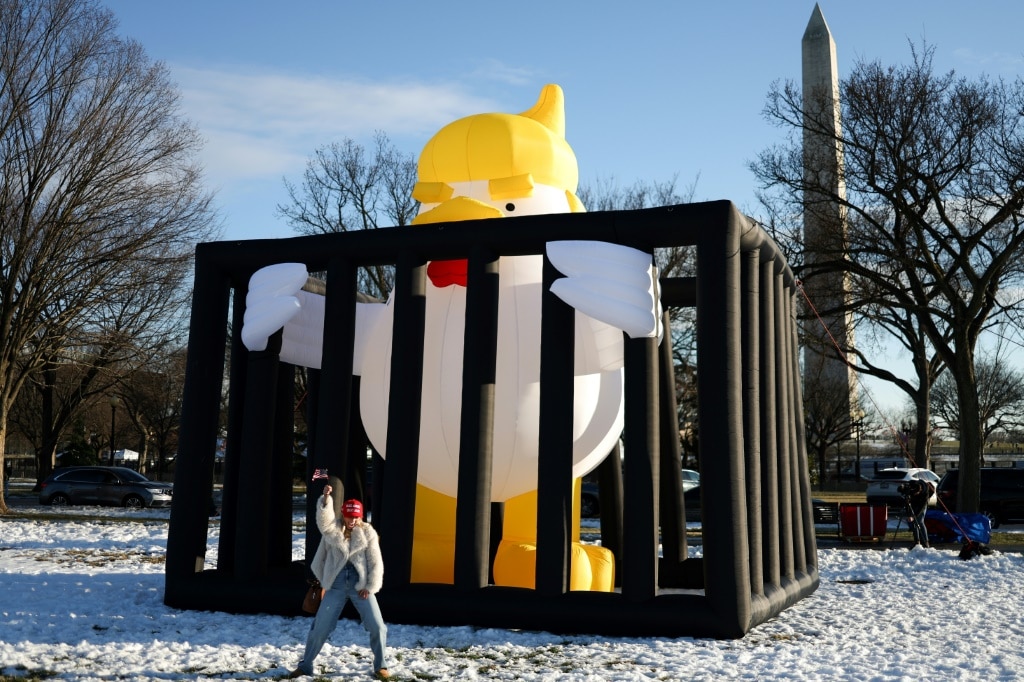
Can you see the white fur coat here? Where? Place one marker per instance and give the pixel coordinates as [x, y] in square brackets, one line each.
[362, 549]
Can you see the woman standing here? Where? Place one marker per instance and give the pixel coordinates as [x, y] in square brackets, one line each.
[349, 565]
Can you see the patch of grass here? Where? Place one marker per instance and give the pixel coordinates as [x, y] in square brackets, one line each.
[846, 496]
[99, 557]
[29, 676]
[1001, 538]
[94, 518]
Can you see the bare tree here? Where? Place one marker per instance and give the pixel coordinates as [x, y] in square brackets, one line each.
[151, 397]
[100, 199]
[1000, 397]
[826, 419]
[934, 175]
[342, 190]
[89, 366]
[606, 194]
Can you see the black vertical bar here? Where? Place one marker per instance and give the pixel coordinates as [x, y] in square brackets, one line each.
[770, 322]
[609, 485]
[720, 409]
[403, 433]
[497, 529]
[335, 386]
[233, 445]
[782, 402]
[797, 506]
[200, 412]
[672, 511]
[252, 545]
[808, 553]
[473, 510]
[554, 456]
[313, 394]
[641, 436]
[810, 541]
[357, 464]
[750, 332]
[279, 531]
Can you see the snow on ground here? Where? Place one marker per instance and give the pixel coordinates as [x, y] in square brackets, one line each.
[82, 599]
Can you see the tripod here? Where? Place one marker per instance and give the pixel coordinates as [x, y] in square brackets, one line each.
[920, 531]
[908, 512]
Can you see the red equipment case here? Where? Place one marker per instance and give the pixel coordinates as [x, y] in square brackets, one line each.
[862, 522]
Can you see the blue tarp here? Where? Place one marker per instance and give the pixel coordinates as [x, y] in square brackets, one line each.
[946, 527]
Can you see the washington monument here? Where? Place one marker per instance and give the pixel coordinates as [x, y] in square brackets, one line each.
[827, 286]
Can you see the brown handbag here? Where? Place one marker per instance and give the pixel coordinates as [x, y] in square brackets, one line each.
[314, 595]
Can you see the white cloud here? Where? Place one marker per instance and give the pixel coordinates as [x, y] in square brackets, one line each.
[494, 70]
[1000, 62]
[230, 155]
[263, 124]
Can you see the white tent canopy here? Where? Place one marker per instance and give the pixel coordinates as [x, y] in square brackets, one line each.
[126, 456]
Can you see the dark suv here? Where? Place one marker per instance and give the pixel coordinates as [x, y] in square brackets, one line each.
[1002, 493]
[103, 485]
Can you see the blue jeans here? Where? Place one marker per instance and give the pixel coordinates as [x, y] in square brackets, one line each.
[343, 589]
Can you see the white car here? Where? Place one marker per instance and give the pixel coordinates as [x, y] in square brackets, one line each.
[691, 479]
[883, 488]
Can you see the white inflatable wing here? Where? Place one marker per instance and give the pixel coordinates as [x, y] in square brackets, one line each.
[276, 300]
[614, 284]
[271, 302]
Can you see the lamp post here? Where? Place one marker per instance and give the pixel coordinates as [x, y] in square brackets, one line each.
[857, 425]
[114, 402]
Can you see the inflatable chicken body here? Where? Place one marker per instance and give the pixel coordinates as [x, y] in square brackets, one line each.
[487, 166]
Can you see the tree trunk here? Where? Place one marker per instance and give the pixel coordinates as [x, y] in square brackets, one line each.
[3, 464]
[143, 451]
[922, 435]
[972, 442]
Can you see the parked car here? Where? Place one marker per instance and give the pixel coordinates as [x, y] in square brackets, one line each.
[118, 486]
[1002, 493]
[884, 487]
[691, 479]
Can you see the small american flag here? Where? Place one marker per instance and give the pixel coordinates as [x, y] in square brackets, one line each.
[319, 473]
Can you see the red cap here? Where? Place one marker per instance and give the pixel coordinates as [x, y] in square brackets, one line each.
[352, 508]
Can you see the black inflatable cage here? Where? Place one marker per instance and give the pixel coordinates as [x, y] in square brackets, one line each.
[758, 553]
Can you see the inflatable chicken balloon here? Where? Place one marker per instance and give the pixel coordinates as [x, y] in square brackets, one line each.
[488, 166]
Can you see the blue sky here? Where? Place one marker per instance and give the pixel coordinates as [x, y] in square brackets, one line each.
[653, 89]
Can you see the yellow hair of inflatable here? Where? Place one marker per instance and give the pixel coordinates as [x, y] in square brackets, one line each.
[511, 151]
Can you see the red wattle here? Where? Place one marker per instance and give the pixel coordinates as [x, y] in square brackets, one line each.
[445, 273]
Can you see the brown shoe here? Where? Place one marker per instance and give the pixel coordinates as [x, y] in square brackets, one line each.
[383, 674]
[295, 673]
